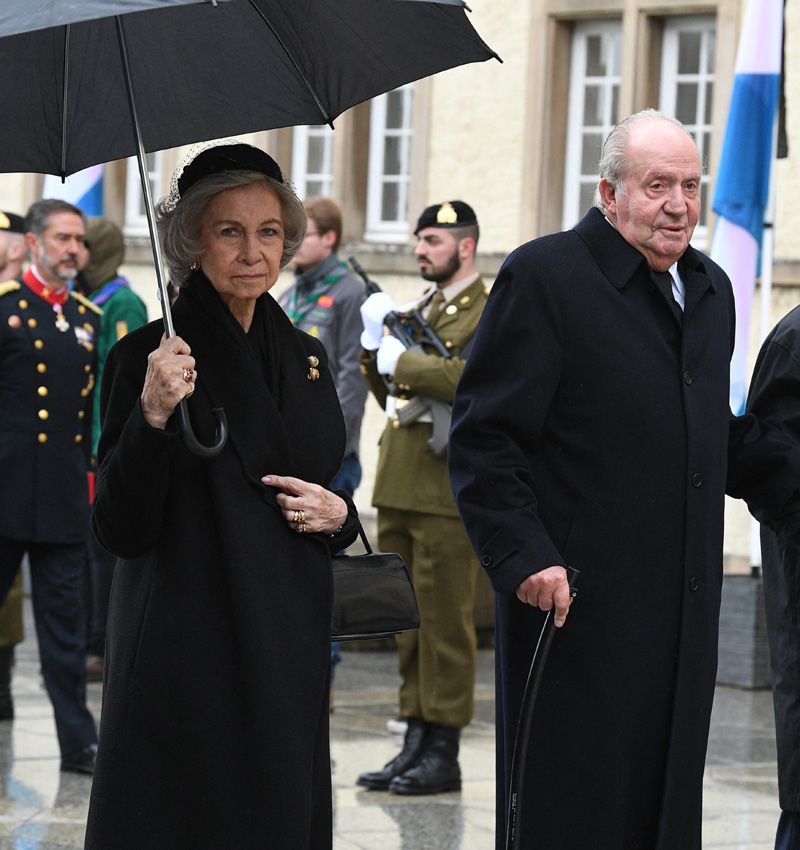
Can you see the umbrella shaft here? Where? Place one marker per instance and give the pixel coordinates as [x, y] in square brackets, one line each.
[141, 159]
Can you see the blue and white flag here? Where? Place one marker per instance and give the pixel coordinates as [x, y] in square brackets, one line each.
[742, 187]
[84, 189]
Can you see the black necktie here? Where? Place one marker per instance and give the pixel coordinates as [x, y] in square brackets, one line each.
[663, 280]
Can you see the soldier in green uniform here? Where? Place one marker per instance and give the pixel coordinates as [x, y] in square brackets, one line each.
[417, 516]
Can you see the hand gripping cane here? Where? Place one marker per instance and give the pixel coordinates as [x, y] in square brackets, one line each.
[522, 739]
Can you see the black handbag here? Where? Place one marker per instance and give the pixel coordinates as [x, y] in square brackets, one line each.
[372, 595]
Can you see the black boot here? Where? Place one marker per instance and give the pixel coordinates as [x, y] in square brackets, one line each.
[413, 744]
[437, 769]
[6, 703]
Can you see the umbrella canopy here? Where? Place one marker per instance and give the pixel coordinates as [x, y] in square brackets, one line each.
[204, 70]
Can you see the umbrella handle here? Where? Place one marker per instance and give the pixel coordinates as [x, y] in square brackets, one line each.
[520, 752]
[184, 423]
[191, 442]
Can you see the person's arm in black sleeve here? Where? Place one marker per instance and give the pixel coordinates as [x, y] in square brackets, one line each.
[134, 463]
[498, 420]
[765, 445]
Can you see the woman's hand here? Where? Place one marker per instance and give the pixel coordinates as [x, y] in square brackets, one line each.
[308, 507]
[170, 378]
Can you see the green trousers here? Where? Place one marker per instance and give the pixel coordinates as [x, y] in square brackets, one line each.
[437, 661]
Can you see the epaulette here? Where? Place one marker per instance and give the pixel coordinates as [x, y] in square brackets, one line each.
[8, 286]
[82, 299]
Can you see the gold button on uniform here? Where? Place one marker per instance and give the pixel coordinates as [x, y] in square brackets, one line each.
[84, 392]
[448, 343]
[41, 368]
[87, 368]
[81, 414]
[42, 391]
[43, 414]
[451, 309]
[42, 438]
[32, 323]
[81, 309]
[78, 438]
[38, 344]
[23, 304]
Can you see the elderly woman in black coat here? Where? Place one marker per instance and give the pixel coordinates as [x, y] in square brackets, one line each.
[214, 731]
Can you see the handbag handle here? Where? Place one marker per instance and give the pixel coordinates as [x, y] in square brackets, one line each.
[363, 536]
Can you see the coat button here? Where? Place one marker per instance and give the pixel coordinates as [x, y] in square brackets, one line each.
[78, 438]
[688, 377]
[697, 480]
[41, 368]
[486, 560]
[38, 344]
[694, 584]
[42, 391]
[42, 438]
[43, 414]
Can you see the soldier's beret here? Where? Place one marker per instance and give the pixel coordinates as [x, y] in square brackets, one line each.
[12, 222]
[448, 214]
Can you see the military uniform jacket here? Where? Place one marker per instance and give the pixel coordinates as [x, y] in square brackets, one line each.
[409, 475]
[46, 383]
[608, 445]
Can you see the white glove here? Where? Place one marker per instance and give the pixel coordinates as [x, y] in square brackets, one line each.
[388, 354]
[373, 312]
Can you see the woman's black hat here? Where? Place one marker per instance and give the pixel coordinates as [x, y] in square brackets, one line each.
[236, 157]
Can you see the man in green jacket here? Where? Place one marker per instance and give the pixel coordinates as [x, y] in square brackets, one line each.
[417, 516]
[123, 311]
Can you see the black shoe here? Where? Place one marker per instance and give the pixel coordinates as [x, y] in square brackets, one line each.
[437, 769]
[413, 744]
[80, 762]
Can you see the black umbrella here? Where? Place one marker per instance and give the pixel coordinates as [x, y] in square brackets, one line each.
[90, 81]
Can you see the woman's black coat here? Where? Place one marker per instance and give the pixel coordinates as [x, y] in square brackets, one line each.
[214, 730]
[591, 428]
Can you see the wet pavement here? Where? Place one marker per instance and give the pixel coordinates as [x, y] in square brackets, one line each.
[43, 809]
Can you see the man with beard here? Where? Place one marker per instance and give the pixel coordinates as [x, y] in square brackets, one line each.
[47, 360]
[416, 514]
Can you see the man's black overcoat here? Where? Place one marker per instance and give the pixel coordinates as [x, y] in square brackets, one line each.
[591, 428]
[214, 731]
[775, 397]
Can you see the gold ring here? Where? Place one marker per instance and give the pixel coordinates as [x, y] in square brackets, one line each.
[187, 376]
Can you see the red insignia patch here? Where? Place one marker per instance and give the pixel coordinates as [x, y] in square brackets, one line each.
[325, 301]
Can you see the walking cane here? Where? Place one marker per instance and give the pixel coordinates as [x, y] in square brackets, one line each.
[522, 738]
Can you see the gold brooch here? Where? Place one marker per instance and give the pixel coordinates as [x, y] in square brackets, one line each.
[313, 372]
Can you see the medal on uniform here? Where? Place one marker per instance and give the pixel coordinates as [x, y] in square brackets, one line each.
[61, 323]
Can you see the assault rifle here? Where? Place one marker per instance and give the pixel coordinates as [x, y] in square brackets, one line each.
[410, 327]
[405, 326]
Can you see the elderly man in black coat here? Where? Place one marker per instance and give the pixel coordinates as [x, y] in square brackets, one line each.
[607, 444]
